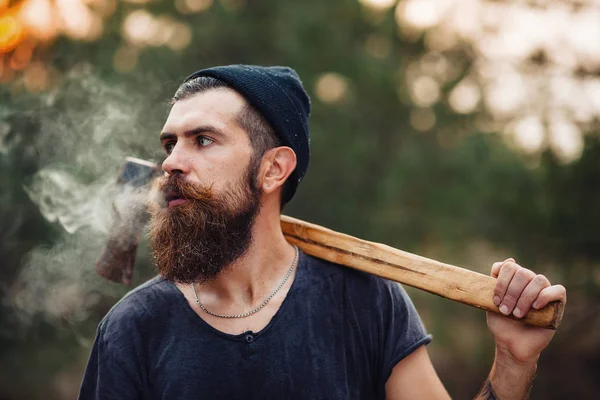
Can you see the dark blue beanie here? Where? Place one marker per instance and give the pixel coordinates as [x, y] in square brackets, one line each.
[277, 93]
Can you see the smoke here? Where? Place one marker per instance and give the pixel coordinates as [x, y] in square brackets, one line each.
[88, 127]
[63, 198]
[4, 131]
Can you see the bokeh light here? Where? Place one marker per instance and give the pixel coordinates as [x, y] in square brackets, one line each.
[465, 97]
[460, 129]
[192, 6]
[524, 53]
[422, 119]
[378, 4]
[331, 87]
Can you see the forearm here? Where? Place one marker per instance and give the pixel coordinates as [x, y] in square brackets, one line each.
[508, 379]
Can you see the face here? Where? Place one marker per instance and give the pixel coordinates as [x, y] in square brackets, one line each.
[203, 141]
[202, 216]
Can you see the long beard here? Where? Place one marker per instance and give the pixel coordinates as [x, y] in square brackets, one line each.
[195, 241]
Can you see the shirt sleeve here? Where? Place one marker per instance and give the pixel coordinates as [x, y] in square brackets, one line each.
[403, 329]
[107, 378]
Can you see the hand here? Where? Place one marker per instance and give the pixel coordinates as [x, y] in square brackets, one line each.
[517, 291]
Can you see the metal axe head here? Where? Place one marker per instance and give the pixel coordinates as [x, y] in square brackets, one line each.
[117, 259]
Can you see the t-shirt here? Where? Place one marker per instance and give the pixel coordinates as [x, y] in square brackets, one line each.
[337, 335]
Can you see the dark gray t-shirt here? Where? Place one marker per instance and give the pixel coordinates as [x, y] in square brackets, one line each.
[337, 335]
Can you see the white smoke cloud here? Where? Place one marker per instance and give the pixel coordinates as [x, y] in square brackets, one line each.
[80, 151]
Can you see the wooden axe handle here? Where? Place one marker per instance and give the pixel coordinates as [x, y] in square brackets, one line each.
[445, 280]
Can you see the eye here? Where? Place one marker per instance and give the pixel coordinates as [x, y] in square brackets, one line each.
[169, 146]
[203, 141]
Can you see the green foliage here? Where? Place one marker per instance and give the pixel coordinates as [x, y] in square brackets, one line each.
[452, 192]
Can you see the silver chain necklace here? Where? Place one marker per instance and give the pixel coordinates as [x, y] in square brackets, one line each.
[264, 303]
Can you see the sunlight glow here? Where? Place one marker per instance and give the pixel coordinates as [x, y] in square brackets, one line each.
[11, 32]
[531, 61]
[140, 2]
[421, 14]
[331, 87]
[529, 134]
[29, 25]
[465, 97]
[565, 140]
[181, 37]
[192, 6]
[378, 4]
[425, 91]
[78, 21]
[139, 27]
[39, 17]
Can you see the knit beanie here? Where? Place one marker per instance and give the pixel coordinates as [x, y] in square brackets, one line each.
[277, 93]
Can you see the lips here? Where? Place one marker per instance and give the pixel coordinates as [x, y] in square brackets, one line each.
[173, 199]
[170, 196]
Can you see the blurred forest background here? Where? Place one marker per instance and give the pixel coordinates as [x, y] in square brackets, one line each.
[467, 131]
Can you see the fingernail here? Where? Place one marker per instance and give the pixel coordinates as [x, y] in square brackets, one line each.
[503, 309]
[517, 313]
[535, 304]
[496, 300]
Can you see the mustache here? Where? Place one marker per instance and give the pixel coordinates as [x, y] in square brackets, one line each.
[174, 186]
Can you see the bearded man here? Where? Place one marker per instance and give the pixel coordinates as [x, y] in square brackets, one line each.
[238, 313]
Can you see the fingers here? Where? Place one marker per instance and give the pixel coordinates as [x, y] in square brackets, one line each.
[530, 294]
[549, 294]
[519, 289]
[504, 271]
[496, 266]
[512, 281]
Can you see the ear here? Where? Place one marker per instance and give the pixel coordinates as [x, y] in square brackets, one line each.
[278, 164]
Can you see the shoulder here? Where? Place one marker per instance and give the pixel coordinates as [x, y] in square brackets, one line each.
[374, 301]
[357, 284]
[138, 308]
[388, 323]
[119, 356]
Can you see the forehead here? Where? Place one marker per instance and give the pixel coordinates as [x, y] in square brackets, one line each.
[215, 107]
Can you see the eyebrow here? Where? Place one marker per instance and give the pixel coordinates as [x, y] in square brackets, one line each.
[193, 132]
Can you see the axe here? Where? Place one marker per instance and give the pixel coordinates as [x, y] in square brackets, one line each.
[448, 281]
[129, 218]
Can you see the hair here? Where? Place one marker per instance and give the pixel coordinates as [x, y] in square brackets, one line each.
[261, 133]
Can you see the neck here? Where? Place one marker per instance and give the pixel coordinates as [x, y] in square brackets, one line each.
[251, 278]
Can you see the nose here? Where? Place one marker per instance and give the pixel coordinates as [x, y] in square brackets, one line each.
[176, 163]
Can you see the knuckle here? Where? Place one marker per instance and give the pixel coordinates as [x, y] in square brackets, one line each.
[562, 291]
[495, 268]
[541, 280]
[500, 286]
[561, 288]
[524, 273]
[510, 266]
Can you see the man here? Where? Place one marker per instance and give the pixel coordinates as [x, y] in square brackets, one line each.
[236, 311]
